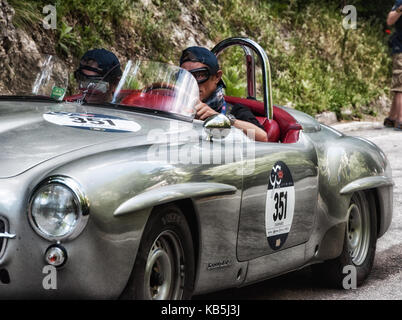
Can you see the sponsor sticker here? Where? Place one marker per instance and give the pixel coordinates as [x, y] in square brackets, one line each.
[58, 93]
[92, 121]
[279, 206]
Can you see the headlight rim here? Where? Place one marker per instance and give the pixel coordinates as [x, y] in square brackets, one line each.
[82, 206]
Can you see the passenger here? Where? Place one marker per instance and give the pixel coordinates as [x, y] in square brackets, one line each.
[204, 66]
[98, 76]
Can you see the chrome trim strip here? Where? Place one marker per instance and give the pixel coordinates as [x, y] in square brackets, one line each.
[154, 197]
[4, 236]
[367, 183]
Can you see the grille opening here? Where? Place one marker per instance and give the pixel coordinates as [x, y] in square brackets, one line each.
[4, 276]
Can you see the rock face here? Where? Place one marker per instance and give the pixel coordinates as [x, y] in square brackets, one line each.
[327, 118]
[7, 30]
[19, 55]
[7, 41]
[13, 40]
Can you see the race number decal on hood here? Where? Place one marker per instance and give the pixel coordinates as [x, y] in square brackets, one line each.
[91, 121]
[279, 206]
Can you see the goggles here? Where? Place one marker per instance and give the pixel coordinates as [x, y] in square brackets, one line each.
[91, 82]
[201, 75]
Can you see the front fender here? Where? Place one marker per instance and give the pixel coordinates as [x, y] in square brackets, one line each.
[347, 165]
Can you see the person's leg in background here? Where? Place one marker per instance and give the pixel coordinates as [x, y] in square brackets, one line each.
[394, 118]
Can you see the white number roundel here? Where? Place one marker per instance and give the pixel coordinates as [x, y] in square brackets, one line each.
[279, 206]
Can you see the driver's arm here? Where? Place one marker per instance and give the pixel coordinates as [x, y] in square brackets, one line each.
[251, 130]
[393, 16]
[204, 111]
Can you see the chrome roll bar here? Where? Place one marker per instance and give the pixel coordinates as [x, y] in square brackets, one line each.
[248, 44]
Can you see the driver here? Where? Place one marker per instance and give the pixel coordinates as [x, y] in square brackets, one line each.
[203, 65]
[98, 76]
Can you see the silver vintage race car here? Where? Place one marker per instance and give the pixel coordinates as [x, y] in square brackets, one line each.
[132, 197]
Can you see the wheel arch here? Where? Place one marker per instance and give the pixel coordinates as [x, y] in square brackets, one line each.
[333, 239]
[383, 205]
[188, 208]
[191, 214]
[381, 187]
[189, 211]
[181, 195]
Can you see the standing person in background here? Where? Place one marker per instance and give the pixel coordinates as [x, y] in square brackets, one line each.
[394, 118]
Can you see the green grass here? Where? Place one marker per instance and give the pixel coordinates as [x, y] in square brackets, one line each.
[316, 64]
[27, 13]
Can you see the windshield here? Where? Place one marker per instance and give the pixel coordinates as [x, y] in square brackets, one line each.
[157, 86]
[43, 76]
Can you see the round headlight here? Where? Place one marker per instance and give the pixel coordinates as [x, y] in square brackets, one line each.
[56, 209]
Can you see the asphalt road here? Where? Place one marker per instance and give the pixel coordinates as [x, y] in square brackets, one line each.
[385, 281]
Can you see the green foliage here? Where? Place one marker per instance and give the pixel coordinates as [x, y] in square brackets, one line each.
[26, 13]
[82, 24]
[153, 25]
[67, 39]
[234, 85]
[316, 64]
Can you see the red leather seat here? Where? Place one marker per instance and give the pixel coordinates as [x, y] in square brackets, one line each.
[283, 127]
[271, 128]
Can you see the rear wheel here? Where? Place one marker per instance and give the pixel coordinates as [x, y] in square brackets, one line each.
[359, 245]
[164, 267]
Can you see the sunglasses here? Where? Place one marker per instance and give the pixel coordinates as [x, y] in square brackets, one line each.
[201, 75]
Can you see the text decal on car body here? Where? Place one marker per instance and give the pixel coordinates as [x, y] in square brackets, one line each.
[280, 204]
[91, 121]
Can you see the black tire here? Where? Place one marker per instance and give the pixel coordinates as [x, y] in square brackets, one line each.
[167, 246]
[333, 272]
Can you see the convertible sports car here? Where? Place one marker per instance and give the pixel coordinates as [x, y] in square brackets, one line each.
[132, 197]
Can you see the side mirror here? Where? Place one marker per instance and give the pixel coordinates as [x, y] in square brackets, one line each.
[217, 126]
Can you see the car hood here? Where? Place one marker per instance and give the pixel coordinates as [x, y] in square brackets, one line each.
[34, 132]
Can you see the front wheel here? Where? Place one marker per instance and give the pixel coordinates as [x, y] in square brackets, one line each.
[164, 267]
[359, 244]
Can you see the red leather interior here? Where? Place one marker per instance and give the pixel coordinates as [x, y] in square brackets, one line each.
[284, 126]
[73, 98]
[148, 100]
[271, 127]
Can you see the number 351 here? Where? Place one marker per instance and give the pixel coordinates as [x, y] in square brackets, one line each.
[281, 204]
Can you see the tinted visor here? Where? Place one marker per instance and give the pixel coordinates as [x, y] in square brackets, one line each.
[200, 74]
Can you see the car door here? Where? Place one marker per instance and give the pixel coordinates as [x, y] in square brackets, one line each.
[280, 190]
